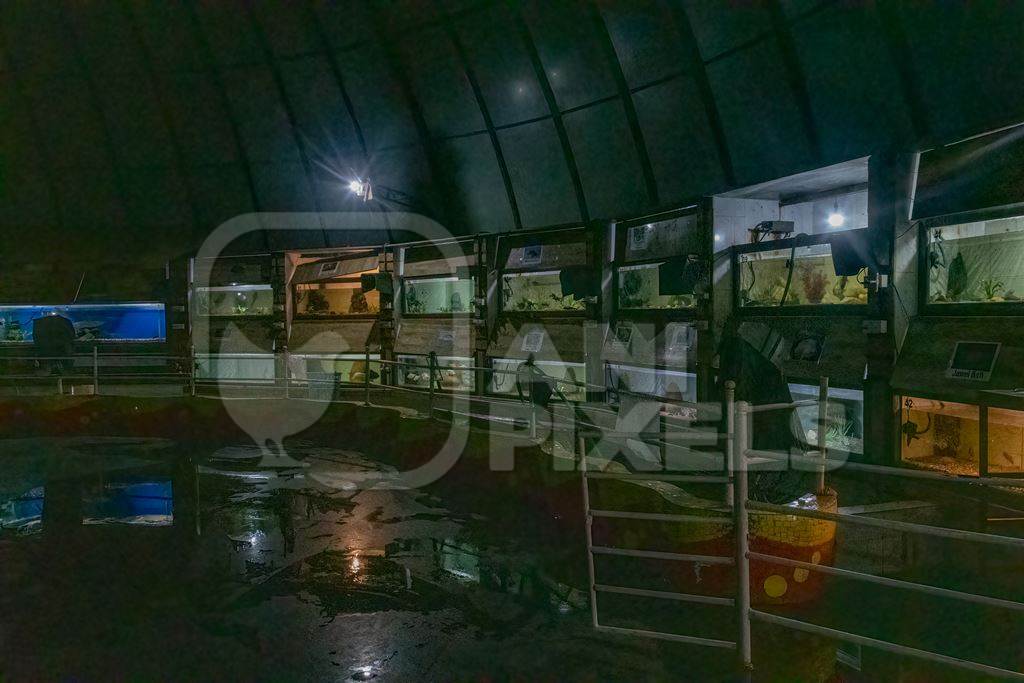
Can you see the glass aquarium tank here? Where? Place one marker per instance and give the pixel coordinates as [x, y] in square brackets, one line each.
[234, 300]
[568, 378]
[638, 289]
[1005, 441]
[257, 367]
[654, 383]
[763, 277]
[980, 262]
[438, 295]
[845, 417]
[333, 368]
[536, 292]
[414, 371]
[334, 299]
[92, 322]
[940, 435]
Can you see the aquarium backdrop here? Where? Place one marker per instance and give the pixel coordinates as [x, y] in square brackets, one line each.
[979, 262]
[93, 322]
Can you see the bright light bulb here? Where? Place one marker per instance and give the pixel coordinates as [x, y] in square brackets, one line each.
[718, 238]
[356, 186]
[836, 219]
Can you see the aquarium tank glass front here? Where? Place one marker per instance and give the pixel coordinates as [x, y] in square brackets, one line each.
[763, 277]
[536, 292]
[414, 371]
[940, 435]
[438, 295]
[638, 290]
[1005, 441]
[332, 368]
[257, 367]
[92, 322]
[335, 299]
[845, 430]
[568, 378]
[980, 262]
[234, 300]
[654, 383]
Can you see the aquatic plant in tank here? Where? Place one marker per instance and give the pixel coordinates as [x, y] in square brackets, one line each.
[794, 277]
[980, 262]
[536, 292]
[638, 288]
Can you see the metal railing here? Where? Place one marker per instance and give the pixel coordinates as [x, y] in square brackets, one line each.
[96, 369]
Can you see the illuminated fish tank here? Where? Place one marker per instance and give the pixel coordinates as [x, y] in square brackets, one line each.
[130, 322]
[801, 277]
[335, 299]
[568, 379]
[234, 300]
[638, 289]
[536, 292]
[449, 375]
[438, 295]
[980, 262]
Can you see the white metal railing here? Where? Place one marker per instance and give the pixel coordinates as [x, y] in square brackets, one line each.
[97, 368]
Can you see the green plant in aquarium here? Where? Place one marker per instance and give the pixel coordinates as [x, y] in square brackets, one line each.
[768, 294]
[956, 278]
[413, 304]
[630, 291]
[317, 302]
[991, 287]
[839, 288]
[814, 282]
[358, 303]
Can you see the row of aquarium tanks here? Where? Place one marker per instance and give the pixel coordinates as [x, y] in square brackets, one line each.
[108, 322]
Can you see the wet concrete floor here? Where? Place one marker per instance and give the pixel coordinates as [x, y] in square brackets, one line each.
[141, 559]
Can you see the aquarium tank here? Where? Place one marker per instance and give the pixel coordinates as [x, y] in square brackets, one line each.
[438, 295]
[568, 378]
[234, 300]
[941, 435]
[335, 299]
[980, 262]
[638, 289]
[134, 322]
[845, 431]
[811, 279]
[536, 292]
[414, 371]
[654, 383]
[235, 366]
[333, 368]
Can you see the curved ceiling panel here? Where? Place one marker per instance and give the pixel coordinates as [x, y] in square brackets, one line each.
[164, 119]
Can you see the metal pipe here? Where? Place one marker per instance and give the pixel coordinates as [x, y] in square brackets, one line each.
[432, 362]
[666, 595]
[836, 634]
[366, 376]
[767, 407]
[892, 525]
[730, 449]
[581, 449]
[659, 555]
[822, 432]
[629, 476]
[891, 583]
[658, 516]
[673, 637]
[741, 528]
[95, 369]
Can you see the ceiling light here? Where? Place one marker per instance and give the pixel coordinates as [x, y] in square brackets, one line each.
[836, 219]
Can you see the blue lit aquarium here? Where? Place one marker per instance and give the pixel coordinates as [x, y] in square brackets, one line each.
[93, 322]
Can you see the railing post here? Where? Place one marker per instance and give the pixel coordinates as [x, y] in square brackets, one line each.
[741, 526]
[366, 376]
[730, 451]
[581, 447]
[95, 371]
[432, 362]
[192, 366]
[822, 432]
[287, 373]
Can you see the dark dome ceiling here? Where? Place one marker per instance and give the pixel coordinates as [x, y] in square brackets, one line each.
[139, 125]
